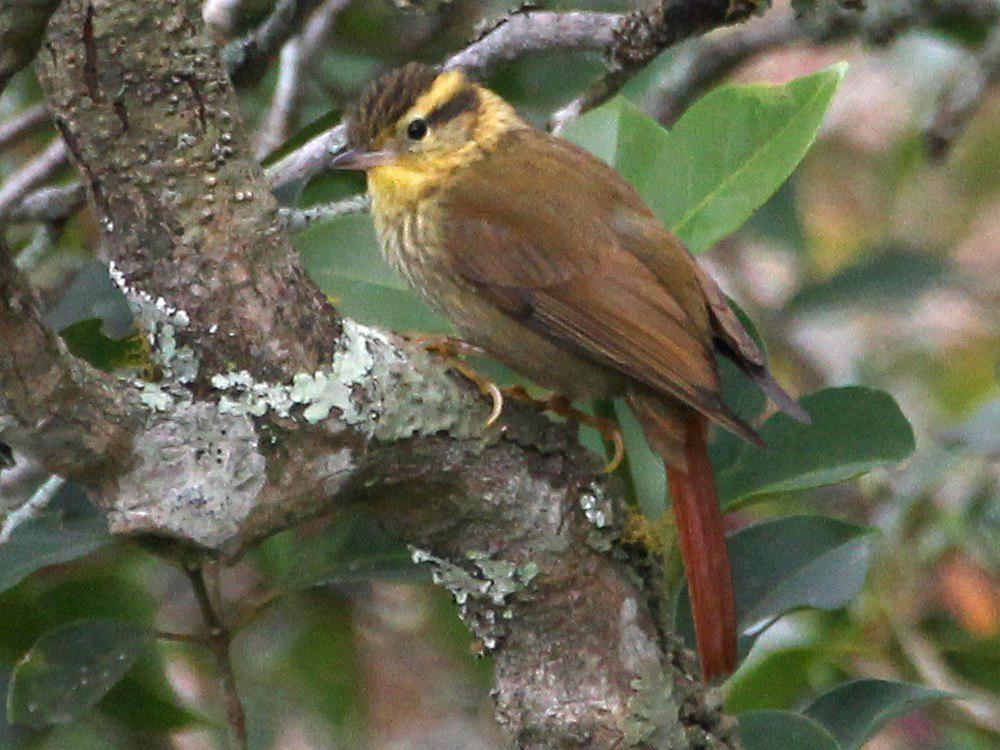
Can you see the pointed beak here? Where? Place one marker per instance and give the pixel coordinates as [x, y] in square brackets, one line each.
[356, 158]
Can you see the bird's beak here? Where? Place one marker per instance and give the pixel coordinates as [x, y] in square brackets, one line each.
[356, 158]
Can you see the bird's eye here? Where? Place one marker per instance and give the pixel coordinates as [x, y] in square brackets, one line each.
[417, 129]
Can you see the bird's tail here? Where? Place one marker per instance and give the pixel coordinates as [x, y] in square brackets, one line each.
[678, 434]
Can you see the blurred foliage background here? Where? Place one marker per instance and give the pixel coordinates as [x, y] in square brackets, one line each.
[877, 264]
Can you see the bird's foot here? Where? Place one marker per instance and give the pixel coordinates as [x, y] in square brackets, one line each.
[451, 350]
[563, 407]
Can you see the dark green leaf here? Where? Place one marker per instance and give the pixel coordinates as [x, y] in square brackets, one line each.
[855, 711]
[889, 279]
[23, 26]
[10, 736]
[854, 430]
[49, 540]
[782, 730]
[788, 563]
[738, 391]
[70, 669]
[353, 549]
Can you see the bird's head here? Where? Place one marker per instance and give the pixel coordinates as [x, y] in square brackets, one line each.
[417, 125]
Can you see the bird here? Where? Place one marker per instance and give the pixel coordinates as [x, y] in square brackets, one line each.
[547, 259]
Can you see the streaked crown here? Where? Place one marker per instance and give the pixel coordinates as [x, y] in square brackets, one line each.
[386, 99]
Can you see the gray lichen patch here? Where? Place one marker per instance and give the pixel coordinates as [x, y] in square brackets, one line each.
[598, 509]
[161, 321]
[371, 385]
[246, 396]
[482, 587]
[404, 394]
[197, 476]
[155, 397]
[652, 716]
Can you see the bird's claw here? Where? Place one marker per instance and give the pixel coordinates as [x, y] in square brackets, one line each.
[451, 349]
[561, 406]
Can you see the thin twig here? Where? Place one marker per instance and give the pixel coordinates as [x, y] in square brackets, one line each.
[31, 509]
[977, 705]
[23, 124]
[297, 59]
[247, 57]
[40, 169]
[48, 204]
[197, 640]
[533, 31]
[220, 637]
[704, 62]
[280, 117]
[297, 219]
[642, 35]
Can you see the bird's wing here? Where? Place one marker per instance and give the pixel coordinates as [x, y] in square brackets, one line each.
[561, 254]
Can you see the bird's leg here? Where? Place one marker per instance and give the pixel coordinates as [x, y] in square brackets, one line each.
[452, 349]
[561, 406]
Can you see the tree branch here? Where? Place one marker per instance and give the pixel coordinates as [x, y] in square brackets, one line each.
[248, 57]
[644, 34]
[706, 61]
[74, 419]
[962, 99]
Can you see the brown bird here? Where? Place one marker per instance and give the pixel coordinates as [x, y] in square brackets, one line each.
[549, 260]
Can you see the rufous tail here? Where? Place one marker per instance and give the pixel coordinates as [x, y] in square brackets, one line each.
[703, 546]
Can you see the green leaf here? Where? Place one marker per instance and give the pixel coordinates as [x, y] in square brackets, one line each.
[343, 258]
[732, 150]
[789, 563]
[49, 540]
[773, 681]
[722, 160]
[891, 278]
[645, 467]
[87, 340]
[70, 669]
[853, 431]
[783, 730]
[855, 711]
[622, 135]
[354, 549]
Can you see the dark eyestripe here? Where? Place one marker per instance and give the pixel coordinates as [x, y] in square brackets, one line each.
[466, 100]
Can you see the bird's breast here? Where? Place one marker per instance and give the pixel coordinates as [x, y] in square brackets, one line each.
[408, 244]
